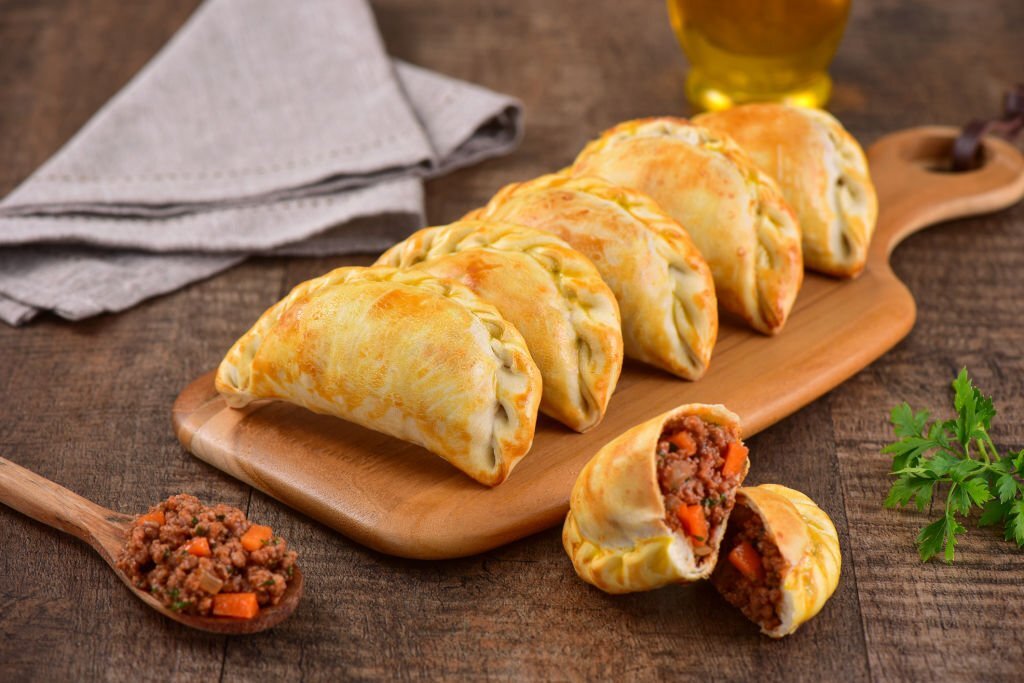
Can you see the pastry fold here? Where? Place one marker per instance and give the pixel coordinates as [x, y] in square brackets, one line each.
[822, 173]
[552, 294]
[734, 213]
[662, 283]
[807, 542]
[400, 352]
[617, 533]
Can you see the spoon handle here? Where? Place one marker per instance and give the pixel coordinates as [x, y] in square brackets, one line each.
[49, 503]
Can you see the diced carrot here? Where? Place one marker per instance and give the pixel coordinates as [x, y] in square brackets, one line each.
[199, 546]
[684, 442]
[747, 561]
[694, 522]
[238, 605]
[735, 456]
[156, 517]
[256, 537]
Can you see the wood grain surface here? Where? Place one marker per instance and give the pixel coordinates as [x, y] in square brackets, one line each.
[86, 404]
[397, 498]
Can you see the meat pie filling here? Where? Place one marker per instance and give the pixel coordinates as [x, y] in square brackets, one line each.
[205, 561]
[700, 465]
[751, 579]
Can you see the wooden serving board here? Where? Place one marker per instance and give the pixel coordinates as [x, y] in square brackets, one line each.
[399, 499]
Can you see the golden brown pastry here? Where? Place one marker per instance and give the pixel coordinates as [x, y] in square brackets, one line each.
[662, 283]
[549, 291]
[650, 508]
[734, 213]
[821, 171]
[401, 352]
[781, 558]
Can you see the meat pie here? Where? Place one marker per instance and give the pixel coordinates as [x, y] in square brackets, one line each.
[734, 212]
[781, 558]
[650, 508]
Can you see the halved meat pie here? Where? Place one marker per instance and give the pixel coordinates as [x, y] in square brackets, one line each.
[781, 558]
[650, 508]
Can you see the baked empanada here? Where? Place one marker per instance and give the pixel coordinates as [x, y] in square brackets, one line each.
[401, 352]
[821, 171]
[734, 213]
[781, 558]
[650, 508]
[551, 293]
[662, 283]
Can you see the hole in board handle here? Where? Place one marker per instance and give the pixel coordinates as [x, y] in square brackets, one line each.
[934, 154]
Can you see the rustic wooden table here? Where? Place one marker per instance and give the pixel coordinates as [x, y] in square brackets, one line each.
[88, 404]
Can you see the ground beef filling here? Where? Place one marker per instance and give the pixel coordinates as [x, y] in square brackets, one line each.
[691, 453]
[760, 599]
[198, 552]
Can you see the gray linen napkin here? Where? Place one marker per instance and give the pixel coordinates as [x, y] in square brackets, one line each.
[261, 127]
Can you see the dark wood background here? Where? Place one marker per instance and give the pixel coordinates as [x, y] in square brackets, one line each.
[88, 404]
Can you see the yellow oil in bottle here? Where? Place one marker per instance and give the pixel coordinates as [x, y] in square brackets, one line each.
[758, 50]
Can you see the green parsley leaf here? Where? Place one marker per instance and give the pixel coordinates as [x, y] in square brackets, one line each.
[1018, 461]
[1007, 488]
[965, 469]
[938, 535]
[975, 411]
[941, 464]
[906, 489]
[906, 422]
[977, 490]
[994, 513]
[959, 501]
[1015, 523]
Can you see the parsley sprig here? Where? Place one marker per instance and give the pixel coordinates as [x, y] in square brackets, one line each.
[960, 455]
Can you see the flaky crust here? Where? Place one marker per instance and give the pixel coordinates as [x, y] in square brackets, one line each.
[734, 212]
[403, 353]
[662, 283]
[552, 294]
[808, 542]
[615, 532]
[822, 173]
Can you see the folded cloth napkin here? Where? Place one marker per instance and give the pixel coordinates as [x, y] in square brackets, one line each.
[261, 127]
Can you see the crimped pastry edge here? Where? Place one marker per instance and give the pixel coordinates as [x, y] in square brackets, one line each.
[507, 345]
[675, 246]
[853, 224]
[772, 213]
[551, 254]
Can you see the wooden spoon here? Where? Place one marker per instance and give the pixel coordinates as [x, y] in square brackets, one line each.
[106, 531]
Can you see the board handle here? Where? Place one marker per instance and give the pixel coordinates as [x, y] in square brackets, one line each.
[916, 186]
